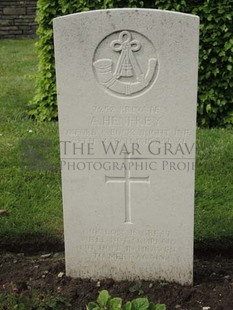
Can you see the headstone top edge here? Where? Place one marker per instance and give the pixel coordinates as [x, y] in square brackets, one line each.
[94, 12]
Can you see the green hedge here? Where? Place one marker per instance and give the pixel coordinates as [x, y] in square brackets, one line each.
[215, 106]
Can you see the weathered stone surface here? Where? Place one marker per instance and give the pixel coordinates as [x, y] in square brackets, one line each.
[5, 22]
[14, 11]
[8, 28]
[15, 32]
[18, 13]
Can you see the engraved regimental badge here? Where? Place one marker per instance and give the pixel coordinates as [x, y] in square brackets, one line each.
[125, 63]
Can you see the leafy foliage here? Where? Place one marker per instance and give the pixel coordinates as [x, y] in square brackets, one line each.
[106, 302]
[137, 287]
[14, 298]
[215, 106]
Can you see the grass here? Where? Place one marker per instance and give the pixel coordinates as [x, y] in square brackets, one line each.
[214, 187]
[33, 198]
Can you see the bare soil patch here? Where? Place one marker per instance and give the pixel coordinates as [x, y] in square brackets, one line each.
[213, 283]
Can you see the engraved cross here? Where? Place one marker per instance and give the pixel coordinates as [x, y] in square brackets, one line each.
[127, 180]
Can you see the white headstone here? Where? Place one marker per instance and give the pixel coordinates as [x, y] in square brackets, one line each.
[127, 93]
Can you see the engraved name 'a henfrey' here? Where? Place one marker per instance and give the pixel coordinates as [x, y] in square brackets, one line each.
[127, 180]
[126, 77]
